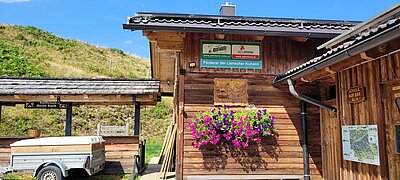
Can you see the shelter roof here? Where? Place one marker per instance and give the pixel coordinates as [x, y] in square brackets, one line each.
[237, 25]
[77, 86]
[108, 91]
[391, 25]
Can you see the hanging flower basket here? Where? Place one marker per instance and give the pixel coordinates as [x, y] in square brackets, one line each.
[239, 128]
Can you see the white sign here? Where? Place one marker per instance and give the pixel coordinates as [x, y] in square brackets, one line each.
[248, 52]
[217, 49]
[360, 143]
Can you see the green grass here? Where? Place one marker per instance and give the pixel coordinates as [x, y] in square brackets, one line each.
[50, 55]
[152, 150]
[15, 176]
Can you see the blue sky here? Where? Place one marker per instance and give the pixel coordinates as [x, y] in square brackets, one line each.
[99, 22]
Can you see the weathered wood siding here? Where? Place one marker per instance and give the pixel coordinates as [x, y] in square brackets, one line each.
[373, 76]
[275, 156]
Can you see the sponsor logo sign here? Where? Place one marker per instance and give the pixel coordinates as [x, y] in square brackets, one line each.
[221, 54]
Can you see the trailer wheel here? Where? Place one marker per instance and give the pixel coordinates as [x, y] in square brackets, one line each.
[50, 173]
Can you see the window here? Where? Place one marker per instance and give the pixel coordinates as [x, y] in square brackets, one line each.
[330, 92]
[397, 137]
[398, 103]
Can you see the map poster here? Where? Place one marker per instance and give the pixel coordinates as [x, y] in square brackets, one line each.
[360, 143]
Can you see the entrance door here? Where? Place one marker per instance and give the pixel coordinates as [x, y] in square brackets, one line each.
[392, 96]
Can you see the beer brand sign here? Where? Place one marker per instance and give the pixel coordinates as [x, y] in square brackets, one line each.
[220, 54]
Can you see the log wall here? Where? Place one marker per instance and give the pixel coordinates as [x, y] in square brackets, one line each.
[275, 156]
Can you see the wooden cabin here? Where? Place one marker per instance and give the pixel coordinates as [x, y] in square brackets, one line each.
[179, 43]
[360, 76]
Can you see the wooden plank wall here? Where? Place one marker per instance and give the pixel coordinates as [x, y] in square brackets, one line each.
[371, 75]
[330, 128]
[280, 155]
[119, 153]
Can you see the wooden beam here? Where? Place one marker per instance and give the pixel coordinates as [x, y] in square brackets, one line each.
[364, 56]
[298, 38]
[165, 36]
[176, 46]
[259, 37]
[332, 69]
[219, 36]
[81, 98]
[384, 48]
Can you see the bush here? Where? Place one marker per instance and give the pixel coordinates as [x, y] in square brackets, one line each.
[15, 61]
[119, 51]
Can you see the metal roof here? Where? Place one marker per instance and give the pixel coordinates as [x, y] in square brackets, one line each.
[54, 86]
[390, 13]
[238, 25]
[300, 70]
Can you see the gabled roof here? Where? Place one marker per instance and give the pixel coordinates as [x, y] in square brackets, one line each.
[237, 25]
[47, 86]
[384, 32]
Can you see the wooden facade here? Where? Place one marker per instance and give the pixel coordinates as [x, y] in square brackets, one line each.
[379, 76]
[278, 157]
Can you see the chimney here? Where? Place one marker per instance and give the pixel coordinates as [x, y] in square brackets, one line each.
[227, 9]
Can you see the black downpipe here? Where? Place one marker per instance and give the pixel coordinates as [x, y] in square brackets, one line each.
[305, 98]
[304, 142]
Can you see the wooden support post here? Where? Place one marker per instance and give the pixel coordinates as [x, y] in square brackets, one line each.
[68, 121]
[137, 118]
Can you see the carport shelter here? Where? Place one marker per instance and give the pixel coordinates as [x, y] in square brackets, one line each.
[65, 93]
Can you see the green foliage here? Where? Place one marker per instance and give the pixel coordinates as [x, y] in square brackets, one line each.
[160, 111]
[52, 40]
[15, 61]
[21, 37]
[13, 176]
[119, 51]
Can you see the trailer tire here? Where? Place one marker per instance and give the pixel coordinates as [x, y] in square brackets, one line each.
[50, 173]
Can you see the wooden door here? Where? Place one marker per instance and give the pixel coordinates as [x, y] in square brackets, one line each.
[392, 111]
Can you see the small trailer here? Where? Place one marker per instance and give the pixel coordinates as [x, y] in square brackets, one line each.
[51, 158]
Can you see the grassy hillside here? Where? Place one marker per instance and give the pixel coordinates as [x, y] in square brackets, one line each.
[53, 56]
[32, 52]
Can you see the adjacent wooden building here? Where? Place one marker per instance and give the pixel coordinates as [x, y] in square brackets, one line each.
[193, 54]
[360, 76]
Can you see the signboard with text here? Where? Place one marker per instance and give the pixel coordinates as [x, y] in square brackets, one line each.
[226, 54]
[356, 94]
[45, 105]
